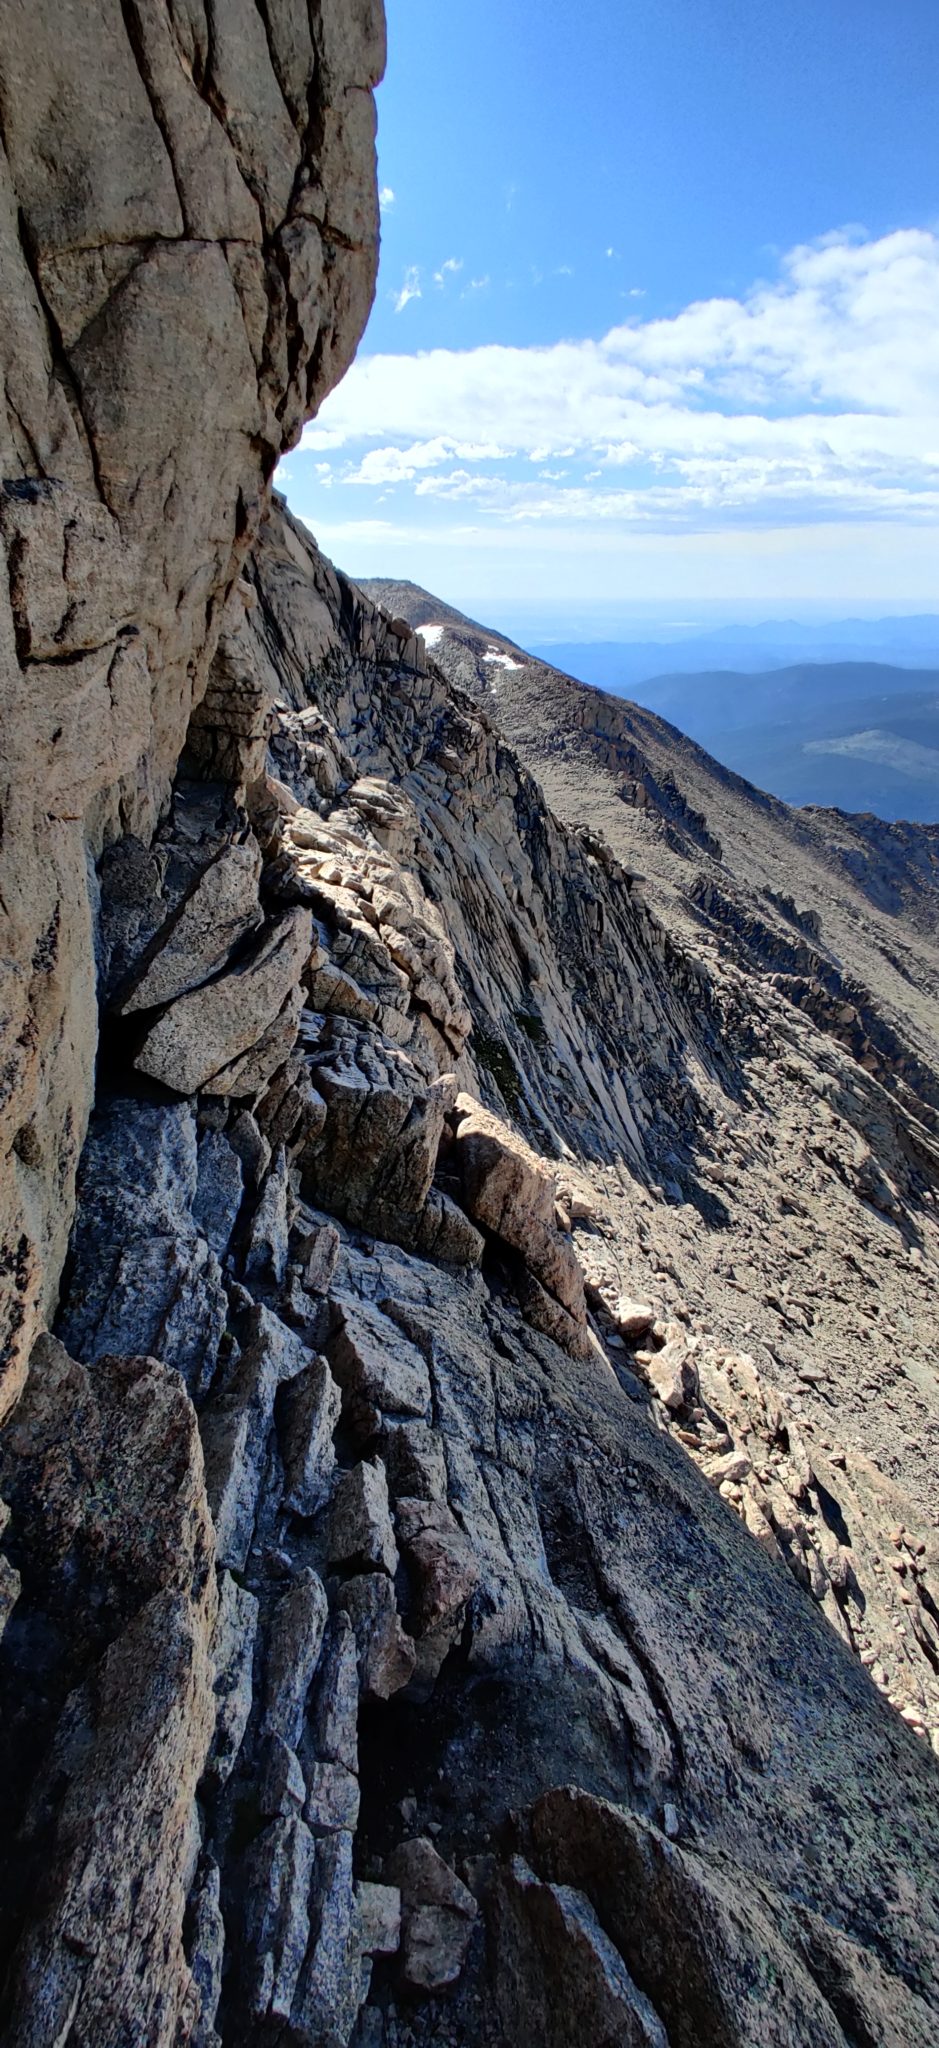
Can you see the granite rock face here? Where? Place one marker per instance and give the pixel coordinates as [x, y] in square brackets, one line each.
[188, 238]
[435, 1607]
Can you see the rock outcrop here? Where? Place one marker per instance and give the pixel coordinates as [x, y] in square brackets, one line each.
[188, 228]
[447, 1596]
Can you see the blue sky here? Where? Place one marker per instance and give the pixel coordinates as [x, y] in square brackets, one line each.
[658, 308]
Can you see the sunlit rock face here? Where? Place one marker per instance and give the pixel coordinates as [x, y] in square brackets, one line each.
[188, 228]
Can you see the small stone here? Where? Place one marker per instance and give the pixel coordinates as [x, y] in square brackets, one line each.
[332, 1798]
[633, 1318]
[386, 1655]
[378, 1908]
[732, 1468]
[361, 1534]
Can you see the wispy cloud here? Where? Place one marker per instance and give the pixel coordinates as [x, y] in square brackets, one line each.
[411, 289]
[450, 268]
[814, 396]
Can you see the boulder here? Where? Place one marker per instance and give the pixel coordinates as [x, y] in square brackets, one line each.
[437, 1916]
[203, 1033]
[360, 1532]
[507, 1190]
[386, 1654]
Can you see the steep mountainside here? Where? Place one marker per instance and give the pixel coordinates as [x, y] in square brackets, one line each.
[468, 1521]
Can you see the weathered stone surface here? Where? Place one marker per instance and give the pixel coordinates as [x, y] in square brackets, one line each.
[441, 1559]
[236, 1426]
[308, 1412]
[509, 1192]
[373, 1161]
[386, 1654]
[361, 1536]
[104, 1473]
[193, 265]
[320, 1254]
[555, 1967]
[204, 1033]
[336, 1706]
[221, 912]
[293, 1650]
[276, 1930]
[332, 1798]
[437, 1916]
[233, 1658]
[219, 1189]
[265, 1257]
[331, 1987]
[144, 1280]
[379, 1371]
[378, 1910]
[414, 1455]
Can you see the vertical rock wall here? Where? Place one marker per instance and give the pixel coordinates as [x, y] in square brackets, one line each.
[188, 240]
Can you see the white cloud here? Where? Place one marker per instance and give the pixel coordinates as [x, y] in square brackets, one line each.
[450, 268]
[411, 289]
[814, 396]
[386, 198]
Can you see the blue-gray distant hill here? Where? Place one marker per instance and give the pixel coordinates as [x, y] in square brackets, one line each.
[624, 663]
[850, 734]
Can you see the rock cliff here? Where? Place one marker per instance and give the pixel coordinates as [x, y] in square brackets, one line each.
[468, 1535]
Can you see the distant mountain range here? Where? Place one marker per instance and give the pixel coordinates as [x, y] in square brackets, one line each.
[850, 734]
[621, 665]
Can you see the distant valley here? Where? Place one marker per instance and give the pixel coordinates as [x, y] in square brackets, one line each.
[853, 735]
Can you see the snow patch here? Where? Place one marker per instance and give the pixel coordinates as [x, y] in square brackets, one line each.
[500, 660]
[431, 635]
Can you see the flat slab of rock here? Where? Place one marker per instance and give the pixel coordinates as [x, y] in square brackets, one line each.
[507, 1190]
[361, 1534]
[437, 1916]
[195, 945]
[379, 1370]
[209, 1029]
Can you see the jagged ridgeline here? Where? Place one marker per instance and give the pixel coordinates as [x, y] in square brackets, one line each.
[468, 1561]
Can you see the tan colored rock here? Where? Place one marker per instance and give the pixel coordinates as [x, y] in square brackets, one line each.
[204, 259]
[507, 1190]
[633, 1318]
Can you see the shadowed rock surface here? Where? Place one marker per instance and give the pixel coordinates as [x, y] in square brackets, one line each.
[469, 1556]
